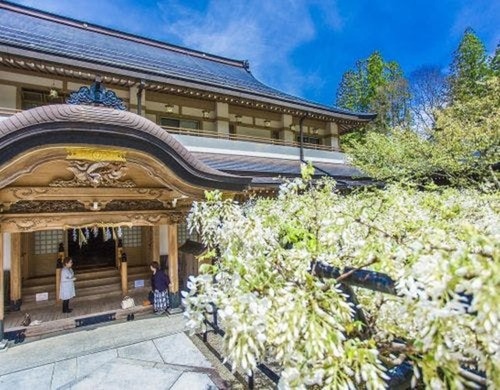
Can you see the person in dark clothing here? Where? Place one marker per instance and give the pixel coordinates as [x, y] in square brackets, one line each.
[151, 295]
[159, 284]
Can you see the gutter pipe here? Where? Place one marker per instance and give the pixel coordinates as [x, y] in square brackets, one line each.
[141, 86]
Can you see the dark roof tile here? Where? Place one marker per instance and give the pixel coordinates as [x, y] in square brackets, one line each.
[33, 30]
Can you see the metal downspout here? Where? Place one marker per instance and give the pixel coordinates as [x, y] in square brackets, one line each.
[301, 137]
[139, 97]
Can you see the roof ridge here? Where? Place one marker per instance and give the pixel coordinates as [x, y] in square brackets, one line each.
[119, 34]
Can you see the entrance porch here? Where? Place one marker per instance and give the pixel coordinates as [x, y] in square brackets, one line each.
[48, 318]
[67, 171]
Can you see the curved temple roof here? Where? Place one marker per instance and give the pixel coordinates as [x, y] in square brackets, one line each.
[72, 124]
[36, 31]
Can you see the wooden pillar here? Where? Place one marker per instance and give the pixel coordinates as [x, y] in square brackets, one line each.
[155, 243]
[59, 266]
[15, 272]
[118, 252]
[124, 274]
[173, 266]
[1, 290]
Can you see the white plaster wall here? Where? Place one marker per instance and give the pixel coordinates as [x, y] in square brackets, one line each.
[33, 80]
[6, 251]
[8, 95]
[163, 240]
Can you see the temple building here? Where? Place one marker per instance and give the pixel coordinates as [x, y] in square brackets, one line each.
[106, 139]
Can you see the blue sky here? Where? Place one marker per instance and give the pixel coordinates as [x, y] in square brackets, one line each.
[299, 46]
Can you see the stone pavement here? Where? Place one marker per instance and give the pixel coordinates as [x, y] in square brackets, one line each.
[145, 354]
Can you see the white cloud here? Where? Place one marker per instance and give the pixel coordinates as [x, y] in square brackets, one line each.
[264, 32]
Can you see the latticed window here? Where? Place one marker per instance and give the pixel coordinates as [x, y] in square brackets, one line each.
[310, 140]
[132, 237]
[183, 234]
[47, 241]
[181, 123]
[31, 98]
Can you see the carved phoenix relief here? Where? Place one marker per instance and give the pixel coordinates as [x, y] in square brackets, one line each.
[95, 174]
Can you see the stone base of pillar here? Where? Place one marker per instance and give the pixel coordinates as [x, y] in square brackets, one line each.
[175, 299]
[16, 305]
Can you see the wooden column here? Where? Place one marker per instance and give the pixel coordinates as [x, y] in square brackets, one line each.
[155, 243]
[173, 266]
[15, 272]
[1, 290]
[118, 252]
[124, 274]
[59, 266]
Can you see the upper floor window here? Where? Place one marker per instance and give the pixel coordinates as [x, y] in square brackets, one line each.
[31, 98]
[310, 140]
[181, 123]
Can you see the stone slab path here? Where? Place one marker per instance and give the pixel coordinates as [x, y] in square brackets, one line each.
[152, 353]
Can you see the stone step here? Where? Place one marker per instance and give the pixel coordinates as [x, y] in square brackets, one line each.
[96, 283]
[81, 275]
[79, 284]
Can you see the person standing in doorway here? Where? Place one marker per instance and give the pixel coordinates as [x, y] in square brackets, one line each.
[160, 291]
[67, 284]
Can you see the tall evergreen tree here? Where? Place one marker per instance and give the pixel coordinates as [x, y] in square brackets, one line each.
[377, 86]
[469, 67]
[495, 62]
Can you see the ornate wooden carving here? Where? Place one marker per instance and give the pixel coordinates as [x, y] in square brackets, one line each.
[46, 206]
[14, 223]
[28, 224]
[177, 217]
[95, 174]
[126, 205]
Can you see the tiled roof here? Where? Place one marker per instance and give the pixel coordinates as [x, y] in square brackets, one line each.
[49, 34]
[272, 167]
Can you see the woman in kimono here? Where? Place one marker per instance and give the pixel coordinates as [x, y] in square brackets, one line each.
[160, 285]
[67, 290]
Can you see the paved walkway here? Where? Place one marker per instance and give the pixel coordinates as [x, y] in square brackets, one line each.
[151, 353]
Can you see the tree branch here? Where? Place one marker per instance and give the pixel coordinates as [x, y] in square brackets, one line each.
[350, 272]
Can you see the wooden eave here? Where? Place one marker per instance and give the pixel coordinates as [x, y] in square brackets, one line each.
[65, 67]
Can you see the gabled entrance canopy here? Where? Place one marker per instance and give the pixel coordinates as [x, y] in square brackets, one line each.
[64, 166]
[58, 126]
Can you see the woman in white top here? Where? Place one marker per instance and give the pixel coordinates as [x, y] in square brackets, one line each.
[67, 290]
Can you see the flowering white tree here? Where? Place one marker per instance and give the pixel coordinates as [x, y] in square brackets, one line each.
[441, 246]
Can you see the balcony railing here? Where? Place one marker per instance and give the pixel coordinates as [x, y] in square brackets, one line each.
[5, 112]
[247, 138]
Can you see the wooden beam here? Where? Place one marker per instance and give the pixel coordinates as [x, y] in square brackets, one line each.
[15, 272]
[11, 195]
[47, 221]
